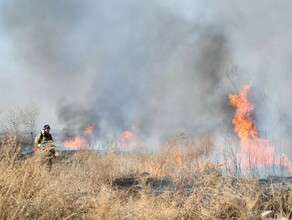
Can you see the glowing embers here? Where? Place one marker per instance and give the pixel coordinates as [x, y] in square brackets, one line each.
[254, 151]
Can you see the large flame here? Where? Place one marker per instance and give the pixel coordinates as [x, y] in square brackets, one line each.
[254, 151]
[79, 141]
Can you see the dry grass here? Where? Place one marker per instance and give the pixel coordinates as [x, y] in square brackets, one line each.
[87, 185]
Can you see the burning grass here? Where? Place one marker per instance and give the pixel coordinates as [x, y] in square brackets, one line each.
[165, 185]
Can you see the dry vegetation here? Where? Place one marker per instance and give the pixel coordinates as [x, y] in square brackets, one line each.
[164, 185]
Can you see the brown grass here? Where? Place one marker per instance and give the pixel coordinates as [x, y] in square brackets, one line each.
[87, 185]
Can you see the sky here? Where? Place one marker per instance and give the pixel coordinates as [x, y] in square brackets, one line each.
[162, 66]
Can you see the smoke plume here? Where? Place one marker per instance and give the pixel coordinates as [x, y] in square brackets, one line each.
[160, 66]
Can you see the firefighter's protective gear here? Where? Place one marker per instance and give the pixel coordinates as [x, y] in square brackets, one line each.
[46, 153]
[45, 147]
[43, 137]
[47, 127]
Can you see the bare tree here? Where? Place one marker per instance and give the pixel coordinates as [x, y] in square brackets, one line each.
[13, 119]
[230, 155]
[29, 115]
[21, 119]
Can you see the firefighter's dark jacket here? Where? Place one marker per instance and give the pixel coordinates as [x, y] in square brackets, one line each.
[43, 137]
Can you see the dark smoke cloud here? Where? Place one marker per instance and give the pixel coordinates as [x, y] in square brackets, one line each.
[121, 65]
[157, 72]
[156, 65]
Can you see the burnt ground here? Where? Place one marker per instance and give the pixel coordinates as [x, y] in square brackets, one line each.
[166, 183]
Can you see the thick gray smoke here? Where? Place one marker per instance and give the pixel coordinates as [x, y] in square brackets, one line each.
[162, 66]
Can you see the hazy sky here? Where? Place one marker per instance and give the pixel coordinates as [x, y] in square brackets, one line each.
[160, 65]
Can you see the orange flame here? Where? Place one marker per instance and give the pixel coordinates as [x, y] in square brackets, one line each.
[128, 139]
[255, 151]
[79, 141]
[178, 157]
[89, 130]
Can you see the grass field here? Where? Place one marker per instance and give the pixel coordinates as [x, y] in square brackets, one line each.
[160, 185]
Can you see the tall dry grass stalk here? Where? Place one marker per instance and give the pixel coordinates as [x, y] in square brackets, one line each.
[171, 184]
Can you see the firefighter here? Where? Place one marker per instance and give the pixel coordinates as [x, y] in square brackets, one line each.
[45, 147]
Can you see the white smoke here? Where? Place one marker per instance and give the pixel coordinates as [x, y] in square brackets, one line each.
[162, 66]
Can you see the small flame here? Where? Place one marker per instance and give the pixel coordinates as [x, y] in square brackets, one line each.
[128, 139]
[255, 151]
[79, 141]
[178, 157]
[89, 130]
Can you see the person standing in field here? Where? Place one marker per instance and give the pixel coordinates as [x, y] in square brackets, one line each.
[45, 147]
